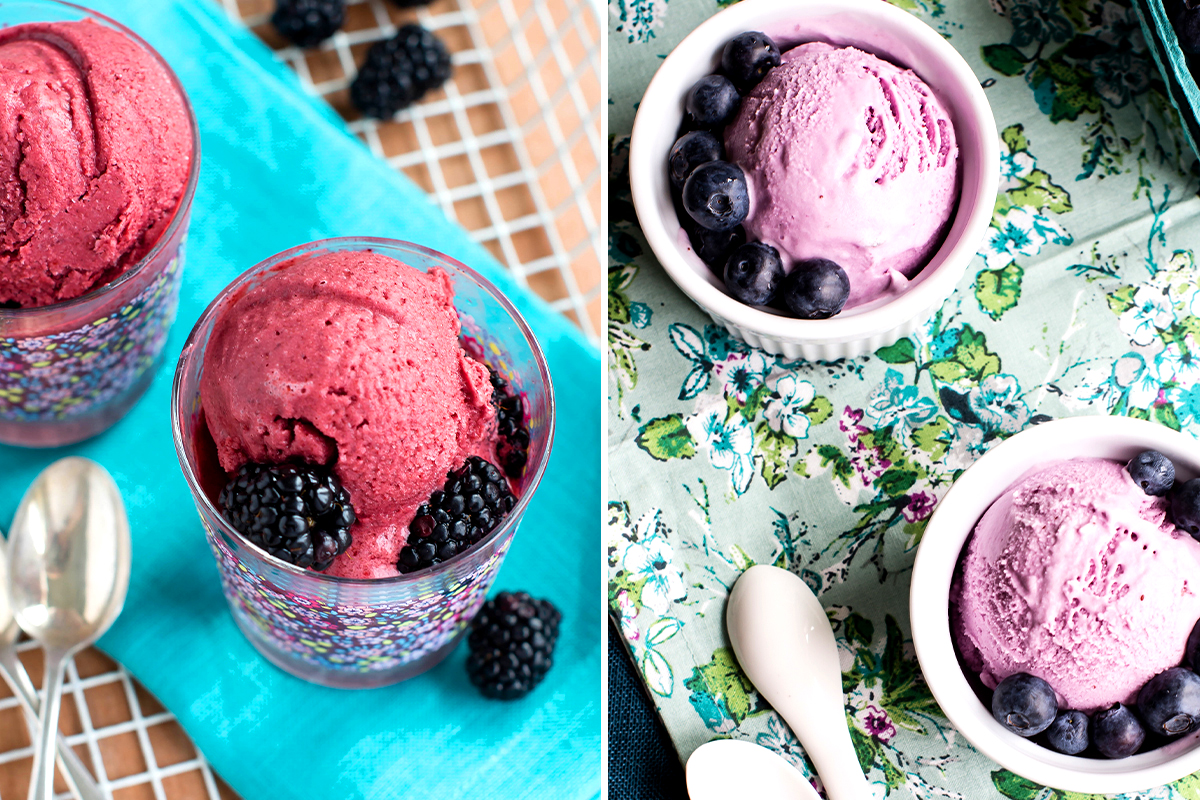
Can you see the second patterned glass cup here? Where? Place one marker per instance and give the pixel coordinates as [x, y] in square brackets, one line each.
[70, 370]
[353, 633]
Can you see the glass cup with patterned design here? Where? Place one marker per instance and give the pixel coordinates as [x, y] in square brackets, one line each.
[355, 633]
[70, 370]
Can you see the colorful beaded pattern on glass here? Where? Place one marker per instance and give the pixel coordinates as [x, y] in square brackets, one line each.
[71, 373]
[345, 637]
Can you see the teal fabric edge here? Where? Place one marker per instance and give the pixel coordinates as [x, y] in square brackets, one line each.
[1172, 64]
[432, 736]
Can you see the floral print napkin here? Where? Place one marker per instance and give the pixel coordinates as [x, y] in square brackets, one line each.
[1084, 299]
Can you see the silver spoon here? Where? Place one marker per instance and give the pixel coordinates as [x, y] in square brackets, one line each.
[726, 768]
[78, 779]
[784, 644]
[69, 559]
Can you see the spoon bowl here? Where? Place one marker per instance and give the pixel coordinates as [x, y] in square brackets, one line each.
[69, 562]
[784, 643]
[726, 768]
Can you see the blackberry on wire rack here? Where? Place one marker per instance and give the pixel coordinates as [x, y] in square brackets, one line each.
[300, 513]
[399, 71]
[512, 644]
[307, 23]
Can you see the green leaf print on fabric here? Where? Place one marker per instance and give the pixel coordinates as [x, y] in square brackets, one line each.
[666, 438]
[899, 353]
[1005, 59]
[1020, 225]
[933, 8]
[721, 694]
[1018, 788]
[1189, 787]
[858, 630]
[998, 290]
[1036, 190]
[970, 360]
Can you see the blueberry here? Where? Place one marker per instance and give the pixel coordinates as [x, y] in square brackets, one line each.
[715, 247]
[1191, 652]
[747, 58]
[1185, 507]
[1170, 702]
[690, 151]
[1116, 732]
[815, 289]
[753, 273]
[712, 102]
[1024, 703]
[1069, 732]
[715, 195]
[1152, 471]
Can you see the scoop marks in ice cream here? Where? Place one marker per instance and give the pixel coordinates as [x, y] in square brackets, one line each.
[1077, 576]
[95, 149]
[848, 158]
[351, 360]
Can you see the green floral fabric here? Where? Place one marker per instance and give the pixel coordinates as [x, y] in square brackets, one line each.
[1084, 299]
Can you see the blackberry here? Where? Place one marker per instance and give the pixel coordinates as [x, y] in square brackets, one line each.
[306, 23]
[512, 644]
[474, 500]
[399, 71]
[298, 512]
[510, 417]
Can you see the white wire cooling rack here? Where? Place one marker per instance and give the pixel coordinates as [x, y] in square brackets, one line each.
[133, 746]
[510, 147]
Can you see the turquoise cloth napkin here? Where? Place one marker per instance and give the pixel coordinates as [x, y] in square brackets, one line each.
[279, 170]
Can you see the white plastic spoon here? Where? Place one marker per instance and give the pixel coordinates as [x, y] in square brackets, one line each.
[727, 768]
[784, 644]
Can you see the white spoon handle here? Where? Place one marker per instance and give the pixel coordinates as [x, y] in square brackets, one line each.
[41, 787]
[78, 779]
[784, 644]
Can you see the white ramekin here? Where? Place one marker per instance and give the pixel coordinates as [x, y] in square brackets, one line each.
[1118, 438]
[876, 27]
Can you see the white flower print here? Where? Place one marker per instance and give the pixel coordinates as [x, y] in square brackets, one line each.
[1151, 312]
[895, 404]
[1178, 364]
[650, 557]
[786, 412]
[1014, 167]
[730, 443]
[998, 405]
[742, 373]
[1139, 380]
[1020, 230]
[966, 446]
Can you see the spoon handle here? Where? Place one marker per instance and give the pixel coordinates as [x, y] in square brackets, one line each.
[783, 642]
[42, 785]
[79, 780]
